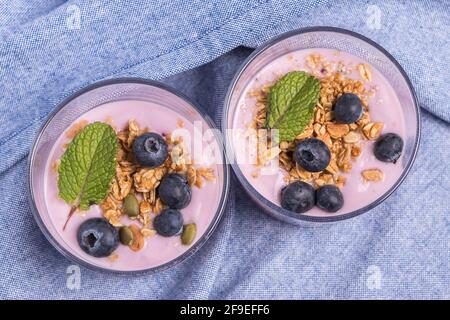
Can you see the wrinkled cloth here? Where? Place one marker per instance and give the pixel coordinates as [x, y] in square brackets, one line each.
[398, 250]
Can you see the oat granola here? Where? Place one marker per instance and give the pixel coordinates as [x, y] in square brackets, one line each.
[143, 182]
[345, 141]
[372, 175]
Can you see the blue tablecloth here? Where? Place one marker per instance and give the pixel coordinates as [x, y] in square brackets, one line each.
[401, 249]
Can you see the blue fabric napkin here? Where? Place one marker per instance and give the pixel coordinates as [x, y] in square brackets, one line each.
[399, 250]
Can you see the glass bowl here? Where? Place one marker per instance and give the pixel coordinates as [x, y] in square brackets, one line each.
[322, 38]
[79, 104]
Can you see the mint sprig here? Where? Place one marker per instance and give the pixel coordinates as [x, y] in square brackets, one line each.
[88, 167]
[291, 103]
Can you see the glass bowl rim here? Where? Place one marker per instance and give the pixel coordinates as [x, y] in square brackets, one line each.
[72, 257]
[269, 206]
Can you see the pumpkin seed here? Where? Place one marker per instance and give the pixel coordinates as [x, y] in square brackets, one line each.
[189, 233]
[131, 205]
[126, 236]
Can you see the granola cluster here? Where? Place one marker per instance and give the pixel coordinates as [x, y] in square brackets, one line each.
[143, 182]
[345, 141]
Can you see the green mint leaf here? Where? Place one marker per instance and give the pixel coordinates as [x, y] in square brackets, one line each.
[291, 103]
[88, 166]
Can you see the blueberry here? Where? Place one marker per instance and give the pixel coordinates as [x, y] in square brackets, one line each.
[388, 147]
[174, 191]
[298, 197]
[168, 223]
[97, 237]
[312, 155]
[329, 198]
[348, 108]
[150, 150]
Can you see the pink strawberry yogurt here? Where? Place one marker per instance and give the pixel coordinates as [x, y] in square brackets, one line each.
[158, 250]
[384, 107]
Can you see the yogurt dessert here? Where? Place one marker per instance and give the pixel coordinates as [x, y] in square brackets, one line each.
[124, 190]
[325, 130]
